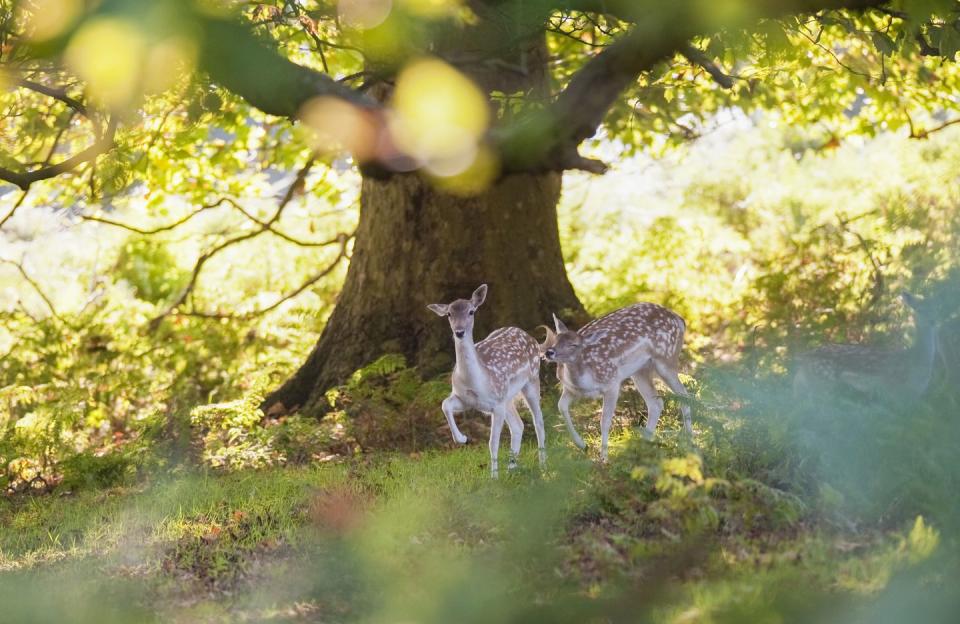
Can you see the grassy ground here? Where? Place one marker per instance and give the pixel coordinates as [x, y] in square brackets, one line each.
[666, 532]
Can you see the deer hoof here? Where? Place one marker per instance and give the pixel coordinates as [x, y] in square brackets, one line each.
[460, 439]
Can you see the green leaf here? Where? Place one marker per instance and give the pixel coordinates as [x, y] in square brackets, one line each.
[884, 44]
[949, 42]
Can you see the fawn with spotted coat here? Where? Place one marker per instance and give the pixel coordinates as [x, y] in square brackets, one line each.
[637, 342]
[490, 375]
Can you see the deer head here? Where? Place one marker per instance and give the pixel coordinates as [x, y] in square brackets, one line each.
[564, 346]
[549, 341]
[461, 312]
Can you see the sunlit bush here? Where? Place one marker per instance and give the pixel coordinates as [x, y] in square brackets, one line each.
[151, 269]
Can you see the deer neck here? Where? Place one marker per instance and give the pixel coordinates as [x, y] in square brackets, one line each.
[468, 361]
[572, 372]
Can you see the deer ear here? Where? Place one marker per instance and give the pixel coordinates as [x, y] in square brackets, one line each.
[550, 339]
[479, 295]
[559, 324]
[440, 309]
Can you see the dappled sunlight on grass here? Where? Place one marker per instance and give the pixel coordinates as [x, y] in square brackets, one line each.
[434, 536]
[143, 474]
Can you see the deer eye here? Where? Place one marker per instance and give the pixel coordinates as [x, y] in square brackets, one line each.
[471, 312]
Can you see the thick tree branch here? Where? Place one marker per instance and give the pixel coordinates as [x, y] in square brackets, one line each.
[644, 10]
[545, 138]
[244, 64]
[55, 93]
[100, 146]
[697, 57]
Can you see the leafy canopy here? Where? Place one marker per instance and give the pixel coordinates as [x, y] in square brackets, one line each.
[197, 100]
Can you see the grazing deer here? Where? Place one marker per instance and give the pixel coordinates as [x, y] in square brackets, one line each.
[900, 373]
[490, 374]
[636, 342]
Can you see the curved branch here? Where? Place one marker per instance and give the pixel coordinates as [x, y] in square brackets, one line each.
[36, 288]
[156, 230]
[56, 93]
[696, 56]
[922, 134]
[102, 145]
[243, 63]
[19, 202]
[195, 275]
[342, 238]
[292, 191]
[544, 139]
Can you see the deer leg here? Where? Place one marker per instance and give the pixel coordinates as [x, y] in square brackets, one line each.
[497, 419]
[566, 399]
[654, 403]
[451, 406]
[531, 394]
[669, 375]
[606, 419]
[516, 434]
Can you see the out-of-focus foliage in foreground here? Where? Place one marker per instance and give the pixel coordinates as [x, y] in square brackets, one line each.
[143, 456]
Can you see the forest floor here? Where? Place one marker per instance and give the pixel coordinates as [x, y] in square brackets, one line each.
[670, 531]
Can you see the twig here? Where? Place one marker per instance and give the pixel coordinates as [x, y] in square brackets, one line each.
[271, 229]
[833, 54]
[36, 287]
[156, 230]
[56, 139]
[878, 279]
[570, 35]
[922, 134]
[342, 238]
[265, 226]
[19, 203]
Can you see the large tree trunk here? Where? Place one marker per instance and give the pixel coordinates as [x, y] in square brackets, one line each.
[417, 245]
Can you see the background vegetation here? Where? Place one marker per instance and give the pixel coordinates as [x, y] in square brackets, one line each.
[778, 180]
[140, 472]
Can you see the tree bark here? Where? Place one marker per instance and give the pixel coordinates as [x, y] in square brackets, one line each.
[417, 245]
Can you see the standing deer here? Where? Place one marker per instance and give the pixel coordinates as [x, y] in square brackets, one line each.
[637, 341]
[897, 373]
[489, 376]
